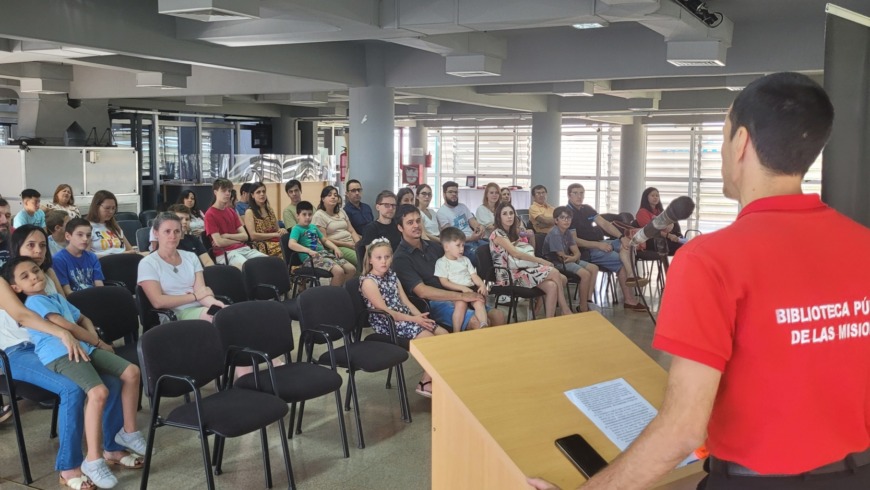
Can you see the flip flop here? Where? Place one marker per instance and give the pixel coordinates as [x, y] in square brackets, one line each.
[130, 461]
[421, 389]
[77, 483]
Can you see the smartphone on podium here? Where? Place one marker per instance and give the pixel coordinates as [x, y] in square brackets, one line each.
[584, 456]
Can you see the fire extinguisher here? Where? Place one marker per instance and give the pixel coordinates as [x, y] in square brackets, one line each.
[342, 164]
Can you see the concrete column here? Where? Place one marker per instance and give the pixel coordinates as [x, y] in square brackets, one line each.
[307, 137]
[284, 136]
[418, 141]
[371, 158]
[632, 166]
[547, 153]
[329, 140]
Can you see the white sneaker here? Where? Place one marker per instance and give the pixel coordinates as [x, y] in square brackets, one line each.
[133, 441]
[99, 473]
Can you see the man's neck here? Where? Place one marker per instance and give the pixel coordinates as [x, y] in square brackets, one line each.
[387, 222]
[219, 206]
[357, 204]
[451, 205]
[38, 293]
[75, 252]
[414, 242]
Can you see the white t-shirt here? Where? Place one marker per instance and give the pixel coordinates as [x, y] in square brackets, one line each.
[457, 216]
[105, 241]
[484, 216]
[458, 271]
[10, 333]
[430, 224]
[174, 280]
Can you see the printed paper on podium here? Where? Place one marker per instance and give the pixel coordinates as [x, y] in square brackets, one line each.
[618, 410]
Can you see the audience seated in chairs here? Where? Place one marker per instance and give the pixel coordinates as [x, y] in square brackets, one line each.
[187, 198]
[307, 240]
[382, 291]
[261, 222]
[222, 224]
[456, 273]
[453, 213]
[485, 213]
[77, 267]
[334, 223]
[172, 278]
[540, 211]
[560, 241]
[650, 207]
[385, 225]
[189, 242]
[414, 264]
[106, 236]
[516, 263]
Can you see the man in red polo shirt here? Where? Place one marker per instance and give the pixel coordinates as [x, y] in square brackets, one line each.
[771, 343]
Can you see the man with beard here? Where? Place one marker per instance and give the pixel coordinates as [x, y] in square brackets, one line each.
[457, 215]
[384, 226]
[5, 215]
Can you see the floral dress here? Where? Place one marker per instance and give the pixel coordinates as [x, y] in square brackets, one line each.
[269, 224]
[388, 286]
[527, 277]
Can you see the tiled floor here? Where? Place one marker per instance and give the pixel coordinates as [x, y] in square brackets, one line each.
[396, 454]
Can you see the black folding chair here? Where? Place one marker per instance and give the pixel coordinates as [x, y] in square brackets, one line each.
[177, 359]
[121, 270]
[301, 272]
[226, 282]
[321, 310]
[21, 389]
[486, 270]
[129, 228]
[148, 314]
[266, 278]
[145, 217]
[126, 216]
[143, 239]
[296, 382]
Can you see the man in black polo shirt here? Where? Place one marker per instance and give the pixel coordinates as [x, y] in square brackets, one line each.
[613, 255]
[414, 264]
[385, 225]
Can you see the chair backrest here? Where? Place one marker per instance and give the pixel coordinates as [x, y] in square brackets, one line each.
[112, 310]
[147, 215]
[357, 300]
[485, 268]
[126, 216]
[143, 239]
[185, 348]
[539, 244]
[226, 280]
[523, 214]
[129, 227]
[260, 326]
[122, 267]
[265, 270]
[318, 306]
[360, 250]
[285, 249]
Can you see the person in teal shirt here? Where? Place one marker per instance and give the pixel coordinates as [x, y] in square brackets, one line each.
[307, 240]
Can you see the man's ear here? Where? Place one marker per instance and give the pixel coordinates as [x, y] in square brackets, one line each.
[740, 143]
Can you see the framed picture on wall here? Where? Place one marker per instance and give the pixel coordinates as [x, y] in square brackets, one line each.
[471, 181]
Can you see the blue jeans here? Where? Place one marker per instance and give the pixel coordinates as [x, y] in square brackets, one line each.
[70, 418]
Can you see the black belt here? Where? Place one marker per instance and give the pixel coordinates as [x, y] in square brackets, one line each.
[850, 462]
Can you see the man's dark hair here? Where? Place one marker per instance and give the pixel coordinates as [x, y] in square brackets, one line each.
[11, 264]
[448, 185]
[404, 210]
[574, 186]
[349, 182]
[304, 206]
[30, 193]
[74, 223]
[381, 195]
[452, 234]
[3, 202]
[221, 184]
[245, 188]
[538, 188]
[788, 117]
[291, 184]
[562, 210]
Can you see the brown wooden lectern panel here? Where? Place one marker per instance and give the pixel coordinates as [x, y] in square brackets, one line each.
[499, 402]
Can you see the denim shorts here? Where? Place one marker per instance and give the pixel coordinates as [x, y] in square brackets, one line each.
[610, 260]
[442, 313]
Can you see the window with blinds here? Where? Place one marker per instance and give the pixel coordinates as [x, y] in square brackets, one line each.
[590, 156]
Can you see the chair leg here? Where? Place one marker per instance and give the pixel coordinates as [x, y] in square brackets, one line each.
[292, 420]
[403, 394]
[264, 445]
[341, 426]
[203, 439]
[287, 466]
[299, 420]
[52, 434]
[359, 432]
[389, 376]
[19, 437]
[149, 446]
[347, 397]
[217, 457]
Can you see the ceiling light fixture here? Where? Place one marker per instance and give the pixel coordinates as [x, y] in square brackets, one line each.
[591, 25]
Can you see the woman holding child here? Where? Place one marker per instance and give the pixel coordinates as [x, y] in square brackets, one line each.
[172, 278]
[381, 290]
[517, 264]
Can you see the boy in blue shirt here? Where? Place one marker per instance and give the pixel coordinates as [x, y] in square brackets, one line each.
[31, 214]
[26, 277]
[306, 239]
[77, 267]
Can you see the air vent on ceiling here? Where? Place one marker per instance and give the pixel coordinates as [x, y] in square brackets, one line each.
[696, 63]
[211, 10]
[697, 53]
[473, 65]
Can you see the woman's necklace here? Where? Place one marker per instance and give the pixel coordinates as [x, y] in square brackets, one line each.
[174, 266]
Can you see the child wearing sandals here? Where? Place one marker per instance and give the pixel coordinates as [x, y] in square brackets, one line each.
[381, 290]
[306, 239]
[27, 278]
[456, 273]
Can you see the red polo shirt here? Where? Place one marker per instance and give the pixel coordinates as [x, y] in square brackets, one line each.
[779, 301]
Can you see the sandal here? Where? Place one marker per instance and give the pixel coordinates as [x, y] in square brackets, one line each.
[421, 389]
[77, 483]
[131, 461]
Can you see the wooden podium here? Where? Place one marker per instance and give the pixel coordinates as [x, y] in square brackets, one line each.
[498, 400]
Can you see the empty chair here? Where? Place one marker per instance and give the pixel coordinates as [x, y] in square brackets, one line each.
[146, 216]
[266, 278]
[121, 269]
[295, 382]
[17, 389]
[226, 282]
[318, 311]
[143, 239]
[126, 216]
[178, 358]
[129, 228]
